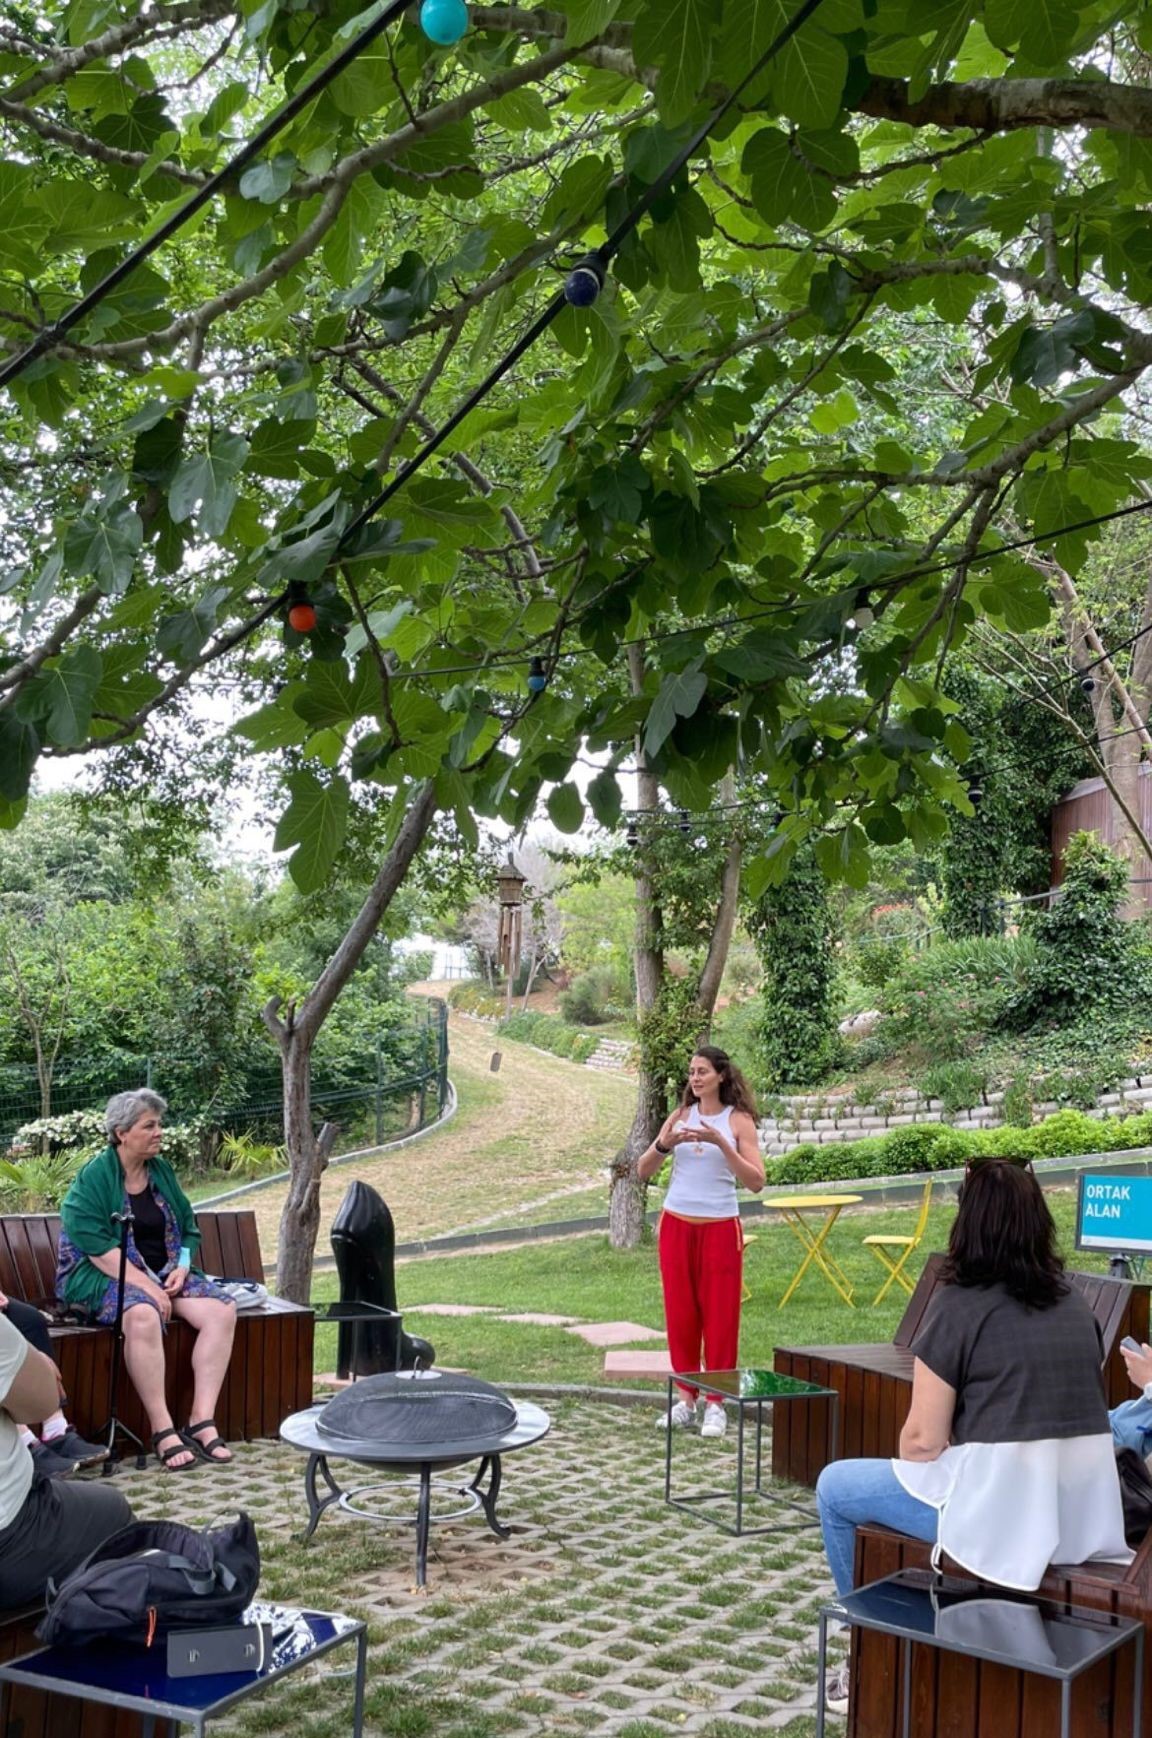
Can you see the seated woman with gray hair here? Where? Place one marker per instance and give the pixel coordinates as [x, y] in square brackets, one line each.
[162, 1279]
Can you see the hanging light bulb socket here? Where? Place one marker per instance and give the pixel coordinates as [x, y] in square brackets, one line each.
[1088, 684]
[444, 22]
[537, 676]
[585, 281]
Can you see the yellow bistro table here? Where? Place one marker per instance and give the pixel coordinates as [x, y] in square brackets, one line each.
[799, 1213]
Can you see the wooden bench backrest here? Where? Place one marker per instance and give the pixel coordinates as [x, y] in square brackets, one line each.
[1109, 1300]
[230, 1247]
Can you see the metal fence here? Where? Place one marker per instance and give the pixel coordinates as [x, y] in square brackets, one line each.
[366, 1097]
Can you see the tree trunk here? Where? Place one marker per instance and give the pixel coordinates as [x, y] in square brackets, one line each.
[628, 1195]
[295, 1035]
[721, 938]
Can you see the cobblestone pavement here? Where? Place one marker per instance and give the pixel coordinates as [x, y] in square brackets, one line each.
[606, 1612]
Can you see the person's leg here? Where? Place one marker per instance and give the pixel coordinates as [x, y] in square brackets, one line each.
[55, 1530]
[681, 1307]
[144, 1360]
[720, 1285]
[850, 1492]
[215, 1325]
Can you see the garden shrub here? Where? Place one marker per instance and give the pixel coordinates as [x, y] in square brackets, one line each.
[952, 994]
[476, 998]
[1017, 1103]
[958, 1085]
[880, 958]
[81, 1134]
[1085, 955]
[939, 1147]
[582, 1003]
[549, 1033]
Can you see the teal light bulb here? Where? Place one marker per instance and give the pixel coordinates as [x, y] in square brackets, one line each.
[444, 21]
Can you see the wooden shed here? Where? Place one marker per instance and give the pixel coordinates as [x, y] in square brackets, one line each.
[1089, 807]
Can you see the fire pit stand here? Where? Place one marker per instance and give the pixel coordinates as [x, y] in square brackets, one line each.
[421, 1460]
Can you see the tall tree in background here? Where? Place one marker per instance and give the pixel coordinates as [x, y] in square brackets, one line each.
[716, 458]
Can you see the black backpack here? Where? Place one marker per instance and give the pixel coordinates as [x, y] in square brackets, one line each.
[154, 1576]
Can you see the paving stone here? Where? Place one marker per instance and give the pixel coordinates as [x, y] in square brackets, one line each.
[618, 1364]
[542, 1321]
[614, 1333]
[580, 1622]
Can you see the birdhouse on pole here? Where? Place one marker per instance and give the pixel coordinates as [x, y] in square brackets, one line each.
[510, 886]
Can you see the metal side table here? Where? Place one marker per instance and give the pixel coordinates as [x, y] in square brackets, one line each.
[747, 1389]
[120, 1675]
[1017, 1630]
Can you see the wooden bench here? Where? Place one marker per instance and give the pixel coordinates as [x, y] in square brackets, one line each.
[270, 1373]
[956, 1697]
[875, 1382]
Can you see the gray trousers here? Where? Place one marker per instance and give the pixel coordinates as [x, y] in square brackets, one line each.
[58, 1526]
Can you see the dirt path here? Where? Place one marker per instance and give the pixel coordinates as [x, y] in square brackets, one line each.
[539, 1128]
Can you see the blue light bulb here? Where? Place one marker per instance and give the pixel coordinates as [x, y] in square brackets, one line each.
[585, 282]
[444, 21]
[537, 678]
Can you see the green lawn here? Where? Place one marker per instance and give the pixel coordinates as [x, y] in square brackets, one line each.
[582, 1276]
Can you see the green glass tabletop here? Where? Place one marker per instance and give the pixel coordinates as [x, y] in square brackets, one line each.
[752, 1384]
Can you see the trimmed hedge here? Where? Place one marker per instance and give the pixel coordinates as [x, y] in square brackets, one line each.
[549, 1033]
[937, 1147]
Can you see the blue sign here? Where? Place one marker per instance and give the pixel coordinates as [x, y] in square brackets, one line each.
[1114, 1211]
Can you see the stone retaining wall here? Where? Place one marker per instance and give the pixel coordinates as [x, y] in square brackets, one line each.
[815, 1119]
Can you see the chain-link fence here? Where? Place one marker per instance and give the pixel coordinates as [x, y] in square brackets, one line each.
[394, 1085]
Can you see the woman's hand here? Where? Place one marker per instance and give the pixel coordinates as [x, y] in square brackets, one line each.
[1139, 1365]
[163, 1301]
[174, 1284]
[691, 1136]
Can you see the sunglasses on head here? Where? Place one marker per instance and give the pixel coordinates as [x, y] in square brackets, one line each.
[978, 1160]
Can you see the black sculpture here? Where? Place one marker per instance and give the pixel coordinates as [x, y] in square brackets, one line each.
[364, 1244]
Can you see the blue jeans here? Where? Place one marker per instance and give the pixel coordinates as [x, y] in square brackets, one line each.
[1132, 1426]
[850, 1492]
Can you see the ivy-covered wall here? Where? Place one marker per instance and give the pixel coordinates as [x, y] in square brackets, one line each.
[794, 932]
[1020, 766]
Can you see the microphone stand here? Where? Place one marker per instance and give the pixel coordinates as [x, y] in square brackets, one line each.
[115, 1427]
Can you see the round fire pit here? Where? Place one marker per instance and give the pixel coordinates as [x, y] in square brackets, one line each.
[423, 1411]
[419, 1422]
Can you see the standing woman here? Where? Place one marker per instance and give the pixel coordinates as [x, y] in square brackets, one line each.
[161, 1280]
[712, 1136]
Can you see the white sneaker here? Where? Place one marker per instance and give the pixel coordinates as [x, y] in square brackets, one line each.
[679, 1417]
[715, 1420]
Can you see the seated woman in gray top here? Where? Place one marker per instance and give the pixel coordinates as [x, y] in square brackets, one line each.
[1006, 1460]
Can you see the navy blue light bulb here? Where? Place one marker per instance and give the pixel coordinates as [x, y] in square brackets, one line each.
[444, 21]
[585, 281]
[537, 679]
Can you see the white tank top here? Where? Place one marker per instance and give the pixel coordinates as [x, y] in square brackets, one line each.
[702, 1186]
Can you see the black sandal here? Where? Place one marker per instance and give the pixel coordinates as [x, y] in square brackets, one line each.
[167, 1455]
[205, 1449]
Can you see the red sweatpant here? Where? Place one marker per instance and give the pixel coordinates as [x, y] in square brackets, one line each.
[702, 1271]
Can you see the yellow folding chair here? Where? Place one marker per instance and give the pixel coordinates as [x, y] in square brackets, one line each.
[886, 1249]
[746, 1291]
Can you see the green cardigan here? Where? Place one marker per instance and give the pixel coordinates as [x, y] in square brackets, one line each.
[86, 1214]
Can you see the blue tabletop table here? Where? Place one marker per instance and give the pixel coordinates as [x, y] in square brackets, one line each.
[118, 1674]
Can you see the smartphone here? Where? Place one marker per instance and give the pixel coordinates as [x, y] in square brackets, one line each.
[1128, 1344]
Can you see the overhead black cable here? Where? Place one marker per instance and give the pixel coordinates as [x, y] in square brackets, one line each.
[594, 263]
[52, 334]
